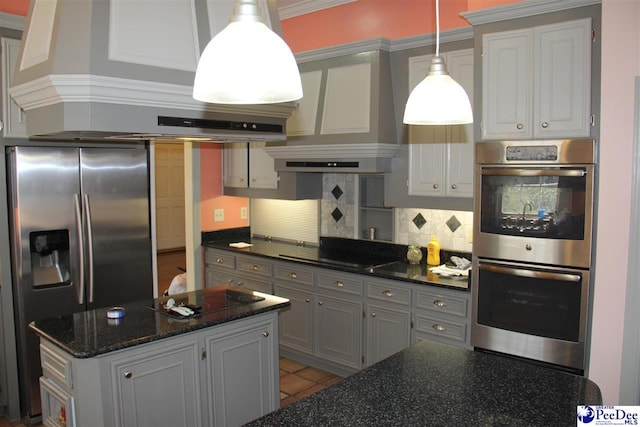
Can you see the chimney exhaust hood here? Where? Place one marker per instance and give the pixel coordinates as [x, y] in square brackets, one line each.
[124, 70]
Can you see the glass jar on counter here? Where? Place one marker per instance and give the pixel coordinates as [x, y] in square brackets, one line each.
[414, 254]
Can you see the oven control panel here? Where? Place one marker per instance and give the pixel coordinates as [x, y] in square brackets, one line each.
[520, 153]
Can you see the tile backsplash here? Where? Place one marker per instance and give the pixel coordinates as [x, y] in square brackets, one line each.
[339, 213]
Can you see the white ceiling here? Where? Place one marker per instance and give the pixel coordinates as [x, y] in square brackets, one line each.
[291, 8]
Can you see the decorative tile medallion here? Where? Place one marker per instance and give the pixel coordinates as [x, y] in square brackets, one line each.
[419, 220]
[337, 192]
[453, 223]
[336, 214]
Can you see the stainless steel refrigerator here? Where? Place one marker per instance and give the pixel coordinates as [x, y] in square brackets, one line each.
[80, 239]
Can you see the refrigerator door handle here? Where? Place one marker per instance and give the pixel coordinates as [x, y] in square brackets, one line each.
[89, 245]
[80, 286]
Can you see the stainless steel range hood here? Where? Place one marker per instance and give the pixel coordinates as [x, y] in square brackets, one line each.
[124, 70]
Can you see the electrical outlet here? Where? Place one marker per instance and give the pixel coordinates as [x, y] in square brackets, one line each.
[243, 213]
[218, 215]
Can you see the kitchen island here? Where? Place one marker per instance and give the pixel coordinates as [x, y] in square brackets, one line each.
[218, 366]
[432, 383]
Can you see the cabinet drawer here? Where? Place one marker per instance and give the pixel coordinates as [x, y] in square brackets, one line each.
[441, 302]
[220, 259]
[58, 406]
[217, 277]
[292, 272]
[383, 291]
[56, 367]
[438, 327]
[252, 284]
[341, 282]
[253, 266]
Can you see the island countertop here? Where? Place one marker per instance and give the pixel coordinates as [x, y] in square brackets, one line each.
[437, 384]
[91, 333]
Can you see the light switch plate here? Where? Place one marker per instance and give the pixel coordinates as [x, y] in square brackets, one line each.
[243, 213]
[218, 215]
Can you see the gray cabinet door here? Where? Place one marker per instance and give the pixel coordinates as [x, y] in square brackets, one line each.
[242, 373]
[296, 321]
[388, 332]
[339, 330]
[159, 387]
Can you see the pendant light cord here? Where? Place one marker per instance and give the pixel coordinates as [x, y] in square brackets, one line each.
[437, 28]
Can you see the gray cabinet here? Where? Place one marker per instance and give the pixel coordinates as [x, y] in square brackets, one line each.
[441, 315]
[242, 372]
[158, 386]
[221, 376]
[388, 314]
[537, 82]
[373, 212]
[441, 157]
[296, 321]
[243, 271]
[247, 165]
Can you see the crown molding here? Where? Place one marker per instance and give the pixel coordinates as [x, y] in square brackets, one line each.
[522, 9]
[303, 7]
[344, 49]
[11, 21]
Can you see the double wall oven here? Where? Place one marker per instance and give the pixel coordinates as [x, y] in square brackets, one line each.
[533, 221]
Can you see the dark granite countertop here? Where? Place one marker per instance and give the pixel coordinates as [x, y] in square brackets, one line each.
[91, 333]
[378, 259]
[441, 385]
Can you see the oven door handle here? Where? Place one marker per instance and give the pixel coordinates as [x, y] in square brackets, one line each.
[544, 275]
[534, 172]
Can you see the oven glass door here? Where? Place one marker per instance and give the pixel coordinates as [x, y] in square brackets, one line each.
[532, 301]
[547, 203]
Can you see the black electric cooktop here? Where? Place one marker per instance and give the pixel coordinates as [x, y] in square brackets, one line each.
[207, 301]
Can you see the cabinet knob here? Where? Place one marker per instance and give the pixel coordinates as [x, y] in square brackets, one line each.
[254, 267]
[307, 300]
[128, 374]
[545, 125]
[519, 126]
[435, 186]
[438, 327]
[339, 284]
[373, 315]
[387, 293]
[293, 275]
[439, 303]
[241, 179]
[453, 186]
[320, 303]
[265, 334]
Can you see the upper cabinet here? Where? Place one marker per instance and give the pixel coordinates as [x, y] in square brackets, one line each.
[13, 118]
[247, 165]
[441, 157]
[537, 82]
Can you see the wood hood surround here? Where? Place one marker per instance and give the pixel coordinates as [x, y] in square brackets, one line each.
[96, 69]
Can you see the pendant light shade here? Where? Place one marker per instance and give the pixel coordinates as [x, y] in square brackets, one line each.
[247, 63]
[438, 99]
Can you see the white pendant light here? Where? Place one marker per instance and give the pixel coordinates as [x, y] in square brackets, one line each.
[247, 63]
[438, 99]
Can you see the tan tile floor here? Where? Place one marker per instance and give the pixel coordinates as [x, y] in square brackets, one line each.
[298, 380]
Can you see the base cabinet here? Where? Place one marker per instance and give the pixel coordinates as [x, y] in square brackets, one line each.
[221, 376]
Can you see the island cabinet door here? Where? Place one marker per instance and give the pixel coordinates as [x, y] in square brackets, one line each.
[158, 387]
[242, 371]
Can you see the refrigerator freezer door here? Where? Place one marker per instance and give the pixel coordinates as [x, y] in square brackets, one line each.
[43, 183]
[115, 188]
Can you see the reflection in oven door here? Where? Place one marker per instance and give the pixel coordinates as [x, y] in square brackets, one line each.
[532, 312]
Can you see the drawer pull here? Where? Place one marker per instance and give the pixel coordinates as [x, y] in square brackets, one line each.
[339, 284]
[293, 275]
[254, 267]
[387, 293]
[128, 374]
[438, 327]
[265, 334]
[439, 303]
[219, 260]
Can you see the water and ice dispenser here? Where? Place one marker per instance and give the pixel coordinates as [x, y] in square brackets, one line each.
[50, 257]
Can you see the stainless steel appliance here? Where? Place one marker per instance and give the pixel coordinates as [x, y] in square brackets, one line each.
[533, 221]
[80, 239]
